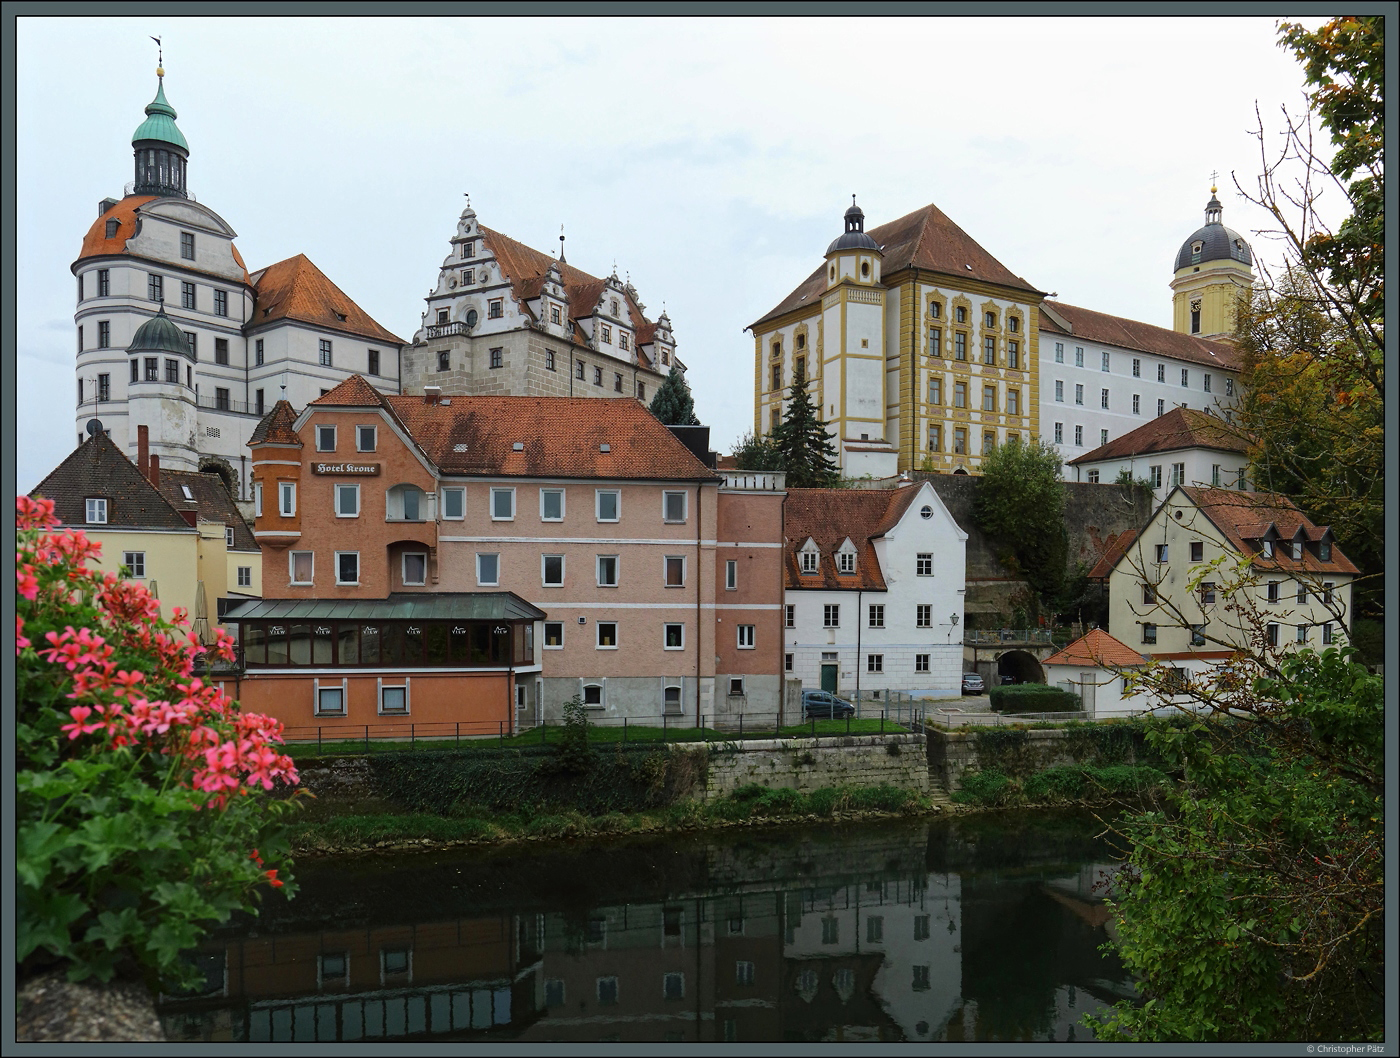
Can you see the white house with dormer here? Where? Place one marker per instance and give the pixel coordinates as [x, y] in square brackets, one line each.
[874, 585]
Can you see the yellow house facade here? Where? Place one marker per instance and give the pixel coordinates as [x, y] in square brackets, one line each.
[1217, 571]
[920, 349]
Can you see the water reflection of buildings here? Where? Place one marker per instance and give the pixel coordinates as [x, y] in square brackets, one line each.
[796, 944]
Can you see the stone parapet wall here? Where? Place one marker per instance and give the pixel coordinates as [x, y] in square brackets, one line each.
[807, 764]
[951, 754]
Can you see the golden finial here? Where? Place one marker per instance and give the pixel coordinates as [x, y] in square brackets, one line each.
[1214, 175]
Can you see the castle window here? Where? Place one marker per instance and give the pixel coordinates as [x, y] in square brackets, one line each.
[112, 226]
[220, 397]
[959, 345]
[155, 288]
[152, 366]
[1161, 407]
[373, 366]
[1079, 436]
[444, 360]
[1059, 433]
[961, 314]
[1013, 355]
[959, 441]
[1103, 361]
[597, 376]
[1185, 376]
[325, 351]
[935, 310]
[607, 334]
[172, 371]
[497, 357]
[221, 351]
[617, 382]
[1205, 383]
[989, 442]
[935, 341]
[802, 341]
[1079, 394]
[777, 377]
[1059, 352]
[665, 358]
[221, 303]
[799, 367]
[104, 282]
[622, 340]
[578, 370]
[192, 340]
[549, 360]
[104, 387]
[468, 276]
[641, 391]
[615, 312]
[935, 438]
[777, 348]
[472, 317]
[442, 317]
[258, 402]
[104, 334]
[1137, 368]
[991, 319]
[989, 398]
[554, 314]
[495, 308]
[989, 350]
[187, 245]
[1078, 356]
[935, 391]
[1059, 390]
[1013, 402]
[960, 394]
[1013, 324]
[187, 295]
[1103, 398]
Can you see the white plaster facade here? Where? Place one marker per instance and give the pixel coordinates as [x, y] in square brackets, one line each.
[888, 648]
[1205, 467]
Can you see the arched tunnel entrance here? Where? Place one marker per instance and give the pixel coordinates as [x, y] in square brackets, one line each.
[1019, 666]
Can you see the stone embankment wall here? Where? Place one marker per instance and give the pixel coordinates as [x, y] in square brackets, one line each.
[807, 764]
[953, 753]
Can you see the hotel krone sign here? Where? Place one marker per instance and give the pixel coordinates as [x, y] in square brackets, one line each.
[359, 470]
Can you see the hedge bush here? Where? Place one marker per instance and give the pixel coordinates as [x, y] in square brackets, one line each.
[1034, 698]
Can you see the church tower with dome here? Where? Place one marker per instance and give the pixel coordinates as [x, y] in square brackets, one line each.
[175, 334]
[1214, 269]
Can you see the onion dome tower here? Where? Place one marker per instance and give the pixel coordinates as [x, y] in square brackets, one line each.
[161, 151]
[1213, 269]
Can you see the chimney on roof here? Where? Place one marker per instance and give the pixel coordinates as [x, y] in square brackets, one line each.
[143, 450]
[154, 472]
[432, 394]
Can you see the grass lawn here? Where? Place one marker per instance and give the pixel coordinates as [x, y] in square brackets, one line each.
[600, 734]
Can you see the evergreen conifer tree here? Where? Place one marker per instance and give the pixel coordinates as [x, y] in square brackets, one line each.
[808, 454]
[673, 404]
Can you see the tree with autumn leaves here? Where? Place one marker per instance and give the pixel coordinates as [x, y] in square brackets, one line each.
[1251, 904]
[1312, 334]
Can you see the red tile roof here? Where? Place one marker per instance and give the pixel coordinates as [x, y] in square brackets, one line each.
[99, 468]
[96, 243]
[561, 436]
[1177, 429]
[1096, 647]
[276, 426]
[1090, 326]
[829, 516]
[1115, 547]
[209, 499]
[295, 289]
[924, 239]
[526, 268]
[1243, 517]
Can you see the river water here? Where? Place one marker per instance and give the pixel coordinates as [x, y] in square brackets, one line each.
[976, 928]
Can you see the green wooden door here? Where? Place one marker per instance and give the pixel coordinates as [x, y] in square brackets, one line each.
[829, 678]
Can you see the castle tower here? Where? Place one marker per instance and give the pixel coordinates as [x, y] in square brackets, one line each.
[161, 151]
[853, 357]
[1213, 270]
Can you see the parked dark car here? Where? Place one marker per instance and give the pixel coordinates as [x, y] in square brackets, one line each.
[823, 705]
[973, 683]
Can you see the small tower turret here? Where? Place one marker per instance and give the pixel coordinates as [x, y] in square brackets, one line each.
[161, 151]
[1213, 270]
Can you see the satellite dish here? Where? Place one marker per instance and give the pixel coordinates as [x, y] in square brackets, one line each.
[94, 427]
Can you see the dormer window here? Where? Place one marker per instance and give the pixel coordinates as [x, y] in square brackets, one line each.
[665, 358]
[809, 560]
[1324, 550]
[846, 562]
[1266, 548]
[1297, 550]
[96, 511]
[1197, 247]
[112, 226]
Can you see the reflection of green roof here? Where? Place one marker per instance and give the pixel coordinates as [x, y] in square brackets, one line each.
[404, 606]
[159, 335]
[160, 122]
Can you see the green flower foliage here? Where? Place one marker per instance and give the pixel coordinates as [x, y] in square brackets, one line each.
[143, 805]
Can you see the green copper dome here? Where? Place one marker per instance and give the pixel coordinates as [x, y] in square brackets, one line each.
[159, 335]
[160, 122]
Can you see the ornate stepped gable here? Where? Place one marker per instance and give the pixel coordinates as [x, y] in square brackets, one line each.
[543, 292]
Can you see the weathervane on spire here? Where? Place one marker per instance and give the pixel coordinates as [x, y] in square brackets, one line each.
[1214, 176]
[160, 58]
[468, 196]
[561, 245]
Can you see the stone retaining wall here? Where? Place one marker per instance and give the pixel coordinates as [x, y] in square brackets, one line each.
[952, 753]
[807, 764]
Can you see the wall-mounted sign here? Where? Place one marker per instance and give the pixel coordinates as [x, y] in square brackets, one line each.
[367, 470]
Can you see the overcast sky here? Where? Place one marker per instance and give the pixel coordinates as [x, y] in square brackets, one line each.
[711, 160]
